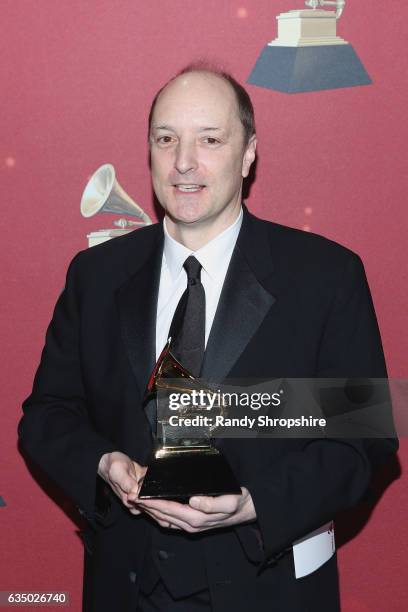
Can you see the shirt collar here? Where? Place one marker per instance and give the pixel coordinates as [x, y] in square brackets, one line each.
[209, 256]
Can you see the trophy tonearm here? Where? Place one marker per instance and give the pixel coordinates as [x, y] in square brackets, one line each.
[339, 4]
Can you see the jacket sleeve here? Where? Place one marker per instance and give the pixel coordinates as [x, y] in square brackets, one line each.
[307, 487]
[55, 430]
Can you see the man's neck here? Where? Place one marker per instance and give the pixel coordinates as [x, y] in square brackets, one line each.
[196, 235]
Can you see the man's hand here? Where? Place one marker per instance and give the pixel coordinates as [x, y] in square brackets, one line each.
[202, 512]
[124, 477]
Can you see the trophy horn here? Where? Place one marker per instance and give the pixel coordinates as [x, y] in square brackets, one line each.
[104, 193]
[167, 366]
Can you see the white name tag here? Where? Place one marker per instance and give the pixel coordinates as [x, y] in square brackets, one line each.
[312, 551]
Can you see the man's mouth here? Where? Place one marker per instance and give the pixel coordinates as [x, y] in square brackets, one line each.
[188, 187]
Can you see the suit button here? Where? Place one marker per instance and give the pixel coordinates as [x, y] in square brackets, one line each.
[163, 555]
[132, 576]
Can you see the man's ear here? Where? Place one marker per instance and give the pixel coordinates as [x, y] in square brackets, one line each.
[249, 155]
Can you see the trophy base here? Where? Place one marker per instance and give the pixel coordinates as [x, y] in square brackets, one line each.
[312, 68]
[178, 474]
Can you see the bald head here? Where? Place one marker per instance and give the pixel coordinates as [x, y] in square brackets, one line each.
[243, 105]
[201, 100]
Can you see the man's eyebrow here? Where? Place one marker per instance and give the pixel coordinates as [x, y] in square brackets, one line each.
[162, 127]
[200, 129]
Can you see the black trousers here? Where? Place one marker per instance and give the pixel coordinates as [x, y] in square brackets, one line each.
[160, 600]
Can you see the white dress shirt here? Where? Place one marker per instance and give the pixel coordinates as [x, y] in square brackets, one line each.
[214, 257]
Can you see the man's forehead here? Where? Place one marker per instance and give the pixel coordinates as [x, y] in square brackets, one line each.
[202, 93]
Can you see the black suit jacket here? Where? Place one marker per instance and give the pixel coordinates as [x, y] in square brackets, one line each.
[294, 305]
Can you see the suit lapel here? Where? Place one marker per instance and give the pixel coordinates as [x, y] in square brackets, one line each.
[244, 301]
[243, 304]
[137, 304]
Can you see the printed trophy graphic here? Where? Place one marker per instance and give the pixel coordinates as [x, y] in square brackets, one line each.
[308, 55]
[185, 462]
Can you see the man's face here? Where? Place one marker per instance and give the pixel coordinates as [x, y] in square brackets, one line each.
[198, 153]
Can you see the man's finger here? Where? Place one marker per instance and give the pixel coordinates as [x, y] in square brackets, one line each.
[175, 523]
[166, 521]
[139, 472]
[127, 491]
[226, 504]
[182, 513]
[165, 505]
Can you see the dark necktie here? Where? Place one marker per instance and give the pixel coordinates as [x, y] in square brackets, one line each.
[187, 329]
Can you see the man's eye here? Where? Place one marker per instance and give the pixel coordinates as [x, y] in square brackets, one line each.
[212, 141]
[164, 139]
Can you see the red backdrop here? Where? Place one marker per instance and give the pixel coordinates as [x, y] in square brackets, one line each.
[77, 78]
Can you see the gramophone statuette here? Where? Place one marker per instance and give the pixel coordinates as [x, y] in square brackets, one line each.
[185, 461]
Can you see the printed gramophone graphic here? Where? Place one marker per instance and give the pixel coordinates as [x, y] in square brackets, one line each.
[307, 54]
[103, 193]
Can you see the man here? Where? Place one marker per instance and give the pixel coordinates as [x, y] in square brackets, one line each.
[278, 302]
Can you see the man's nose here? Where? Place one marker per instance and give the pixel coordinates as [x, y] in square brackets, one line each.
[186, 157]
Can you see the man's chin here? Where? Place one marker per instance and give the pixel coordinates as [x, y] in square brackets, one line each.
[189, 215]
[187, 222]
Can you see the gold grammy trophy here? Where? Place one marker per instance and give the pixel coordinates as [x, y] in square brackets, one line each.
[185, 462]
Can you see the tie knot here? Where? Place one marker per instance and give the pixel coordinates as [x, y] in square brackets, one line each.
[193, 268]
